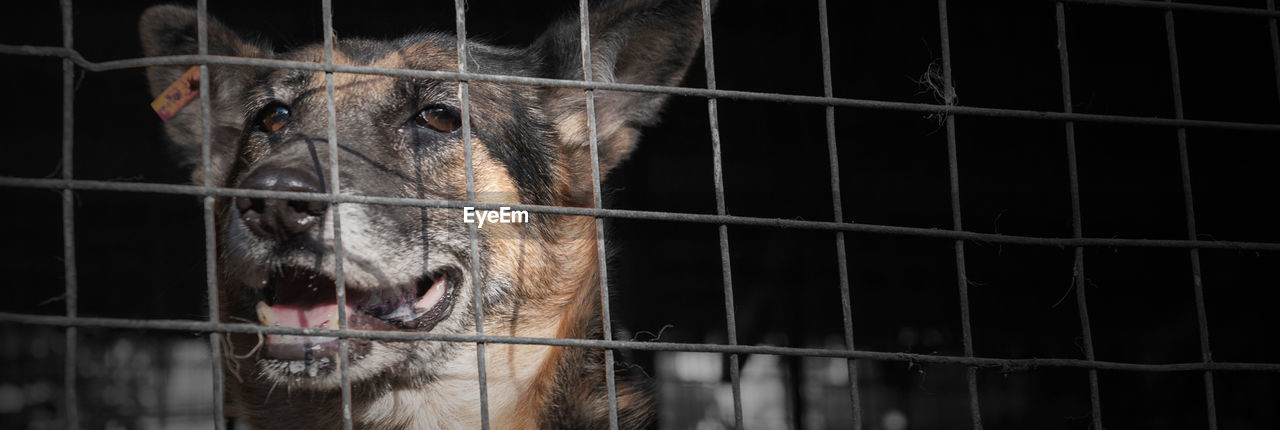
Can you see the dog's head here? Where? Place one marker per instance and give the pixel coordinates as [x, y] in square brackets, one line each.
[409, 268]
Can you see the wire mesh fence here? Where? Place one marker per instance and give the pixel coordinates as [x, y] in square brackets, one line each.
[952, 112]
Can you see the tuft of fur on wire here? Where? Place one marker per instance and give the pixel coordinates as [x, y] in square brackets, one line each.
[931, 82]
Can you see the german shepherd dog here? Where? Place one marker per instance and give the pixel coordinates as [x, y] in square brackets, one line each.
[409, 268]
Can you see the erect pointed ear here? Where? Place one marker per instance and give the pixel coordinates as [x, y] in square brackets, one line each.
[172, 30]
[648, 42]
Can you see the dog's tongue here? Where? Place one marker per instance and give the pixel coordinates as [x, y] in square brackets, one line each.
[303, 299]
[292, 315]
[290, 347]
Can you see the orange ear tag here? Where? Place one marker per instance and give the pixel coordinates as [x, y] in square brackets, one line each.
[179, 93]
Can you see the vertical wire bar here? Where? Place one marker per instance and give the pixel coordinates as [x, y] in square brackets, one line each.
[1206, 355]
[72, 286]
[1275, 43]
[210, 237]
[708, 51]
[838, 211]
[1077, 221]
[962, 278]
[464, 95]
[584, 27]
[335, 212]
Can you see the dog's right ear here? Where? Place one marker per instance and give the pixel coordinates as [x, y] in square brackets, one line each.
[173, 30]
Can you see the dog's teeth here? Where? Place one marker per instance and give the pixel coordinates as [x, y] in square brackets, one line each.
[404, 312]
[264, 314]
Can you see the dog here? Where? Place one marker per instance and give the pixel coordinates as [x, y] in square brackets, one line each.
[409, 268]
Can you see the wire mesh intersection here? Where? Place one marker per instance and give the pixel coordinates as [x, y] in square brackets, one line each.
[67, 185]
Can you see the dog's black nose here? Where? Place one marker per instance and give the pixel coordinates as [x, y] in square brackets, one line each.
[275, 218]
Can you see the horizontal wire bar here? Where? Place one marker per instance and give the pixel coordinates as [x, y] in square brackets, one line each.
[1004, 364]
[91, 185]
[1188, 7]
[614, 86]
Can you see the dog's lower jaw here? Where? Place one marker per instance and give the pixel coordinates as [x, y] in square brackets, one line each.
[450, 399]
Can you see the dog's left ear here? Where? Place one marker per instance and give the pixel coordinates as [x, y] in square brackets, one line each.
[648, 42]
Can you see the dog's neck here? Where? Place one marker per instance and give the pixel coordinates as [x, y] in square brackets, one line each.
[453, 400]
[522, 380]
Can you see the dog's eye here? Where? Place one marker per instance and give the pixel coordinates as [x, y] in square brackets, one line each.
[273, 117]
[438, 118]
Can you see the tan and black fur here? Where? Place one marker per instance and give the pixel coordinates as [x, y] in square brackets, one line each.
[530, 146]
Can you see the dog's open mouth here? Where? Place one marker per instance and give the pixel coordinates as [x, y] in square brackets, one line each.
[298, 297]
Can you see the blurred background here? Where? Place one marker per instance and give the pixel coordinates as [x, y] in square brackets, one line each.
[141, 255]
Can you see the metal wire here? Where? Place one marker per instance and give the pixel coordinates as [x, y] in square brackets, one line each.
[731, 324]
[335, 188]
[584, 39]
[962, 279]
[1189, 7]
[70, 278]
[842, 263]
[1077, 223]
[1189, 207]
[681, 91]
[1002, 364]
[210, 237]
[647, 215]
[68, 185]
[464, 97]
[1275, 43]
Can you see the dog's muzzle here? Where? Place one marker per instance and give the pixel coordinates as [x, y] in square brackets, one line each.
[285, 294]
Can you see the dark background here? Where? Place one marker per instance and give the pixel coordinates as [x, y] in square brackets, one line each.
[141, 255]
